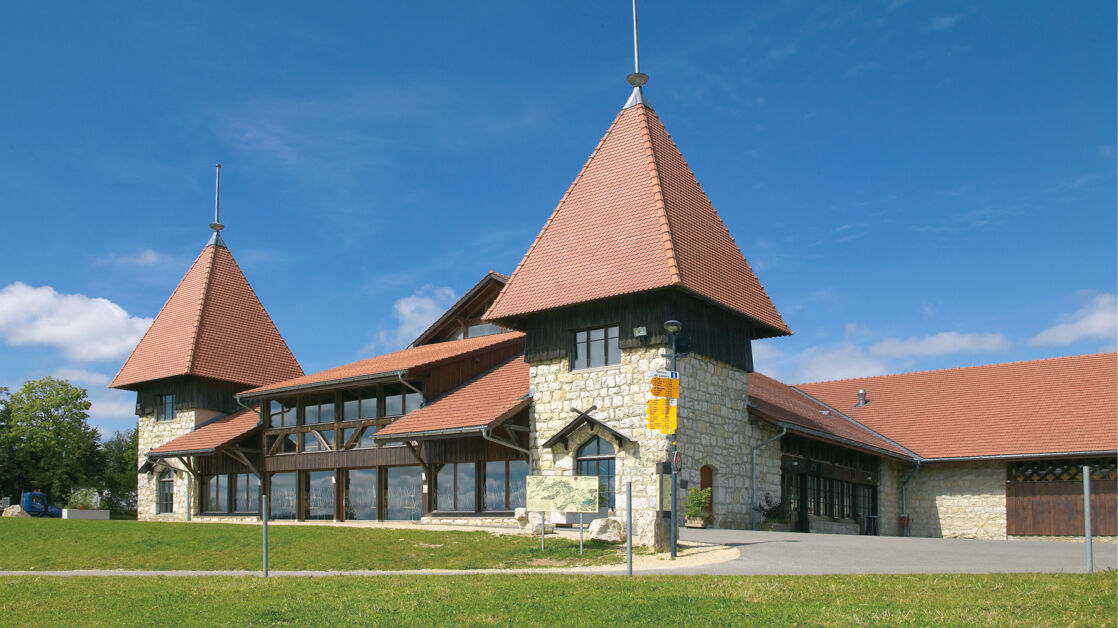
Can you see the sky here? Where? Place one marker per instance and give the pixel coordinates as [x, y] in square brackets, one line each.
[918, 185]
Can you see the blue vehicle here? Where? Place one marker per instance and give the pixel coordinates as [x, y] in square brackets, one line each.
[35, 504]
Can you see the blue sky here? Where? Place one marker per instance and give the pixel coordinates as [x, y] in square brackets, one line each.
[917, 184]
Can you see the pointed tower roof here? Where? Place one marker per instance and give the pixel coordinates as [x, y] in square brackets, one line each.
[635, 219]
[212, 326]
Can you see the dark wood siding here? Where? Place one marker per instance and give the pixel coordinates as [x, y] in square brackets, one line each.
[467, 450]
[388, 456]
[190, 393]
[713, 331]
[220, 463]
[1056, 508]
[446, 377]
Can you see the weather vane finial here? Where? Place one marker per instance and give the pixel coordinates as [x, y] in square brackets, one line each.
[636, 79]
[216, 224]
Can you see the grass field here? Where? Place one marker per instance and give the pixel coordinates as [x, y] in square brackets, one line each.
[538, 600]
[56, 544]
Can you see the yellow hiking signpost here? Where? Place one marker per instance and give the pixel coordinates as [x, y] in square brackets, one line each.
[662, 410]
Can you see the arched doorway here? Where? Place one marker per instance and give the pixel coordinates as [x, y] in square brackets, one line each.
[596, 457]
[706, 480]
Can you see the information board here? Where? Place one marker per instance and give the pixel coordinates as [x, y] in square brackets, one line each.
[662, 414]
[562, 493]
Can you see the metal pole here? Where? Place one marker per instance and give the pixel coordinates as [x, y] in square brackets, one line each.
[217, 194]
[629, 525]
[675, 474]
[543, 526]
[580, 534]
[636, 46]
[1087, 517]
[264, 519]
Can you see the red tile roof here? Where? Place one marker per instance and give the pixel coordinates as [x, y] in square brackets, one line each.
[635, 219]
[212, 326]
[780, 402]
[210, 436]
[479, 402]
[1060, 405]
[410, 358]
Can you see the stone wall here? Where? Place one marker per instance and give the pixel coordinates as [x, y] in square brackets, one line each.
[620, 393]
[152, 434]
[950, 500]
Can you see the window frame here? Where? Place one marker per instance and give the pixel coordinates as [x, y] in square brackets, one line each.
[165, 407]
[165, 480]
[606, 354]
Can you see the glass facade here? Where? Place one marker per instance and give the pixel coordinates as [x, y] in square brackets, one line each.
[246, 491]
[318, 496]
[456, 487]
[505, 484]
[283, 413]
[404, 492]
[282, 496]
[361, 494]
[217, 493]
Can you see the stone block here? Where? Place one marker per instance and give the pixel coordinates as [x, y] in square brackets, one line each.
[607, 530]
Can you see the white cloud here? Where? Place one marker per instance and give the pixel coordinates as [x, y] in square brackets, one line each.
[939, 344]
[820, 364]
[147, 257]
[1098, 320]
[81, 377]
[945, 22]
[413, 314]
[84, 328]
[767, 359]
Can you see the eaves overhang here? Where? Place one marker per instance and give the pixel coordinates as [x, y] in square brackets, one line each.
[1024, 456]
[325, 385]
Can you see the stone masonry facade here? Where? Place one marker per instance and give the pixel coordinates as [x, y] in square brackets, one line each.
[950, 500]
[152, 434]
[714, 430]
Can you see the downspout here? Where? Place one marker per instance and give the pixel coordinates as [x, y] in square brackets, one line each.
[904, 491]
[753, 477]
[485, 434]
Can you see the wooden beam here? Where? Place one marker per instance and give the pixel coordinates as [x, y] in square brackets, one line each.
[322, 441]
[238, 454]
[185, 460]
[415, 452]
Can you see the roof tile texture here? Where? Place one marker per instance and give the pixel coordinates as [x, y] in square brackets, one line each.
[474, 404]
[635, 219]
[1037, 407]
[410, 358]
[213, 434]
[214, 326]
[780, 402]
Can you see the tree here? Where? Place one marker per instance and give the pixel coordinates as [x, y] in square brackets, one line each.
[119, 481]
[7, 487]
[49, 443]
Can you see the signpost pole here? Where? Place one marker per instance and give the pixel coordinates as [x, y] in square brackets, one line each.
[675, 475]
[580, 534]
[264, 520]
[1087, 518]
[543, 527]
[629, 526]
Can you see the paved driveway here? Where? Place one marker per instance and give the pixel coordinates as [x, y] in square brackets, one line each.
[793, 553]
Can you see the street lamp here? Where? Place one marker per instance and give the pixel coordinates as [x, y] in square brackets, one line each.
[673, 327]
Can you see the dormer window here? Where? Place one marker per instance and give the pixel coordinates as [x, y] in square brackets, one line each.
[597, 347]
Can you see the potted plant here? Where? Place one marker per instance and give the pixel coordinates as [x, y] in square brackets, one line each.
[696, 508]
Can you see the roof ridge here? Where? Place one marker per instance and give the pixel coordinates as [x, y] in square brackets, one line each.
[551, 218]
[958, 368]
[658, 194]
[196, 332]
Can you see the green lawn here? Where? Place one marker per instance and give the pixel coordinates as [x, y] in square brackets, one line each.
[953, 600]
[50, 544]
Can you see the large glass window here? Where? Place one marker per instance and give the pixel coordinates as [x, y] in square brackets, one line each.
[366, 441]
[504, 484]
[217, 493]
[597, 347]
[164, 407]
[282, 413]
[312, 442]
[404, 492]
[318, 409]
[165, 494]
[282, 496]
[596, 457]
[246, 492]
[318, 488]
[361, 493]
[455, 487]
[393, 400]
[281, 443]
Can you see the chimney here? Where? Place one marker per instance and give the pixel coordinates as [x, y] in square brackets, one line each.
[861, 398]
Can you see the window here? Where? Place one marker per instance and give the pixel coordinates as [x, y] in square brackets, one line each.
[318, 491]
[597, 347]
[318, 409]
[596, 458]
[361, 494]
[165, 494]
[246, 492]
[282, 413]
[366, 441]
[455, 487]
[393, 400]
[504, 484]
[403, 488]
[217, 493]
[281, 496]
[164, 408]
[312, 443]
[281, 443]
[484, 329]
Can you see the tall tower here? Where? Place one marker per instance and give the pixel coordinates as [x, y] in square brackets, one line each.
[211, 340]
[633, 243]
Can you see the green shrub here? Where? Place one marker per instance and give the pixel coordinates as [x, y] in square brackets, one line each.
[83, 498]
[697, 505]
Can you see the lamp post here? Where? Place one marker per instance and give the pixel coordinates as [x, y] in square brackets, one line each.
[673, 328]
